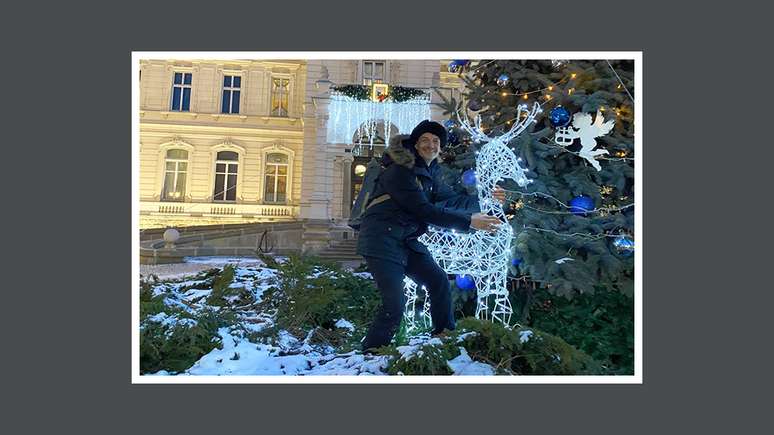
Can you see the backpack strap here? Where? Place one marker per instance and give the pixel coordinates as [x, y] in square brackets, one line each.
[386, 196]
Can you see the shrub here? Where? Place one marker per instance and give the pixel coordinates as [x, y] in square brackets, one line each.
[524, 351]
[429, 359]
[600, 324]
[312, 293]
[177, 345]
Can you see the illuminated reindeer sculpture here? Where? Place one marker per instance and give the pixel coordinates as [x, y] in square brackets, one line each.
[481, 255]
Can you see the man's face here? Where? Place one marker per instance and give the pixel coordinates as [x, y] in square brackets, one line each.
[428, 146]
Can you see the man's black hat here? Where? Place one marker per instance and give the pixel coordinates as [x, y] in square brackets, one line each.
[427, 126]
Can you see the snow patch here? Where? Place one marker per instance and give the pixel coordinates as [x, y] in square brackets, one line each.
[346, 324]
[463, 365]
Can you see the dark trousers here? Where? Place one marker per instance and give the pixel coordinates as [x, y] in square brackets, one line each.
[389, 280]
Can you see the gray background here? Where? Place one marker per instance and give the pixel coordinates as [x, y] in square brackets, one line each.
[66, 171]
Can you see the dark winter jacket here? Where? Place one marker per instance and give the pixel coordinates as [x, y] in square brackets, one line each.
[391, 227]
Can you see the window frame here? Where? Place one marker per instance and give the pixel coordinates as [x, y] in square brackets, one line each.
[161, 168]
[289, 78]
[371, 80]
[290, 154]
[182, 87]
[176, 171]
[224, 88]
[239, 173]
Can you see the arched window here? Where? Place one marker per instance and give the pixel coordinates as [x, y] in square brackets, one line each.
[226, 168]
[276, 178]
[175, 171]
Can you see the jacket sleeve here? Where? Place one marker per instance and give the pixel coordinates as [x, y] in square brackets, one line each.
[444, 196]
[400, 183]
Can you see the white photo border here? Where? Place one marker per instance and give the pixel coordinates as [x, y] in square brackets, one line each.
[636, 378]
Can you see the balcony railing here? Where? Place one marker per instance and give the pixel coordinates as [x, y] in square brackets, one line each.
[218, 210]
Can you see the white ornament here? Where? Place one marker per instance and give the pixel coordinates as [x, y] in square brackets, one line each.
[349, 117]
[483, 256]
[583, 128]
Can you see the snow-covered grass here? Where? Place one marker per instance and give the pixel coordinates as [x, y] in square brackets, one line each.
[238, 319]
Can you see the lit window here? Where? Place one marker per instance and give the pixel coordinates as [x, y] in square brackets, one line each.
[226, 176]
[373, 72]
[279, 96]
[176, 167]
[276, 178]
[181, 92]
[231, 90]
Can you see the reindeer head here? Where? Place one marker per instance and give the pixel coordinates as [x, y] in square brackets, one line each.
[495, 160]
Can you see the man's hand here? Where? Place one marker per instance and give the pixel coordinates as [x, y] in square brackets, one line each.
[499, 194]
[484, 222]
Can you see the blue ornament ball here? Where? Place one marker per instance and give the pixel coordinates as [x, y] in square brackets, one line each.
[449, 124]
[515, 261]
[503, 79]
[457, 65]
[469, 177]
[452, 138]
[465, 282]
[580, 205]
[559, 116]
[624, 245]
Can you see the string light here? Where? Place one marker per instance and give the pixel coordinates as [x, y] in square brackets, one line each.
[348, 116]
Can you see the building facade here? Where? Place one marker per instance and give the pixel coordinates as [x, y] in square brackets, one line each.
[239, 141]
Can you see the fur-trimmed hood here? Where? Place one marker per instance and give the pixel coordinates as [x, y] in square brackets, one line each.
[400, 154]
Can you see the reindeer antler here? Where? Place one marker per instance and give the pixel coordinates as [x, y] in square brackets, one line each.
[477, 133]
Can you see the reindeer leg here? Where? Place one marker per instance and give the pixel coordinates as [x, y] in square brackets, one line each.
[411, 296]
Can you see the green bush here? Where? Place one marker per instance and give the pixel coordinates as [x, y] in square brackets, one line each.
[224, 295]
[177, 344]
[427, 360]
[540, 354]
[312, 293]
[600, 324]
[177, 347]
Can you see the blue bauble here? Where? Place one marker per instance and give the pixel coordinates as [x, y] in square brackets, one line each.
[580, 205]
[457, 65]
[449, 124]
[465, 282]
[559, 116]
[503, 79]
[515, 261]
[624, 245]
[452, 138]
[469, 177]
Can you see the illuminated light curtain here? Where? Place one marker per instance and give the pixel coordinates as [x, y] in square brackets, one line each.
[349, 118]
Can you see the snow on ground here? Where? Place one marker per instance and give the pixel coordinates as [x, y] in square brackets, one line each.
[344, 323]
[464, 366]
[289, 355]
[241, 357]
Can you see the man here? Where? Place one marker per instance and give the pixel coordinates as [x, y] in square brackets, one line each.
[408, 196]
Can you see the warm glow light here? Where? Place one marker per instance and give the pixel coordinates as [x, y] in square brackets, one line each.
[573, 75]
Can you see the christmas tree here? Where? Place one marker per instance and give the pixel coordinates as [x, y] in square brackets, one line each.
[574, 224]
